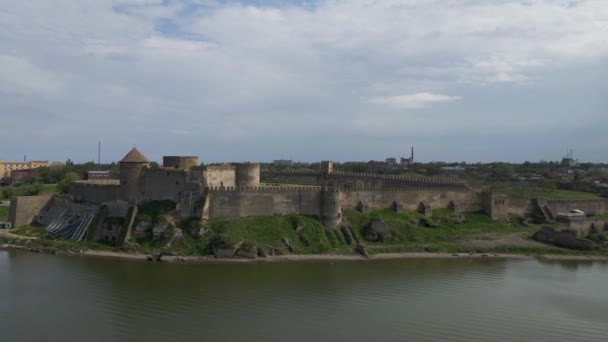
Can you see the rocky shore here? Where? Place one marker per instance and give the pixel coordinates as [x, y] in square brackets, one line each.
[296, 257]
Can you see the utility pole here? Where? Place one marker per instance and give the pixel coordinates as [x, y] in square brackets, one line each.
[99, 153]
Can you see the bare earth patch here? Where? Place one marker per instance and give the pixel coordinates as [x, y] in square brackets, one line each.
[489, 241]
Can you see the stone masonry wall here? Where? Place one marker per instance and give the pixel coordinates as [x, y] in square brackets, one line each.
[182, 187]
[466, 201]
[23, 209]
[222, 175]
[265, 201]
[358, 180]
[590, 207]
[94, 192]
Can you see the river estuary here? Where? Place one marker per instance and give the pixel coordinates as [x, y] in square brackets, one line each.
[61, 298]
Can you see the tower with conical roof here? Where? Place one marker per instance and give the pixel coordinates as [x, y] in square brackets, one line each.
[131, 168]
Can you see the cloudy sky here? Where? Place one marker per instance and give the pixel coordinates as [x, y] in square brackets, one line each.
[475, 80]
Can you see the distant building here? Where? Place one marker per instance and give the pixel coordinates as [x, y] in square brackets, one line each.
[391, 161]
[25, 175]
[373, 166]
[569, 161]
[408, 161]
[453, 169]
[6, 168]
[282, 162]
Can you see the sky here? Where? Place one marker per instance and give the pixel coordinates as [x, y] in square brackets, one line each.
[461, 80]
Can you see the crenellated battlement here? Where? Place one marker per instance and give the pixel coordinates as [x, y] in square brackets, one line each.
[420, 189]
[328, 189]
[398, 179]
[577, 201]
[266, 188]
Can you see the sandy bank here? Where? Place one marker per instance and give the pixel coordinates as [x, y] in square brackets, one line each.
[313, 257]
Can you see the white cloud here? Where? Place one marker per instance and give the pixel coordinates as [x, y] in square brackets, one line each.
[419, 100]
[19, 76]
[244, 71]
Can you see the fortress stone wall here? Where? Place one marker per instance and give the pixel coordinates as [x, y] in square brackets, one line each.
[221, 175]
[235, 202]
[182, 187]
[499, 206]
[97, 191]
[409, 199]
[327, 202]
[24, 209]
[589, 206]
[357, 180]
[267, 201]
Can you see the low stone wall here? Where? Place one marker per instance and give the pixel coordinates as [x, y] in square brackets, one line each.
[23, 209]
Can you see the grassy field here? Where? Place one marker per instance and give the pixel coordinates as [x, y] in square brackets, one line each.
[3, 213]
[405, 226]
[446, 231]
[48, 189]
[28, 190]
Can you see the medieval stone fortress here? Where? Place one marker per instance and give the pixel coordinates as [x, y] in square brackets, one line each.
[105, 209]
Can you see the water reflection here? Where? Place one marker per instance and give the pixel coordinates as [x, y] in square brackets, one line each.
[80, 298]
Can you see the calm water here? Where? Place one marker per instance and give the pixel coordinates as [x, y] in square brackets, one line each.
[57, 298]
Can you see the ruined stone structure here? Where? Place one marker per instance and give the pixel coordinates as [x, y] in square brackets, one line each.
[104, 209]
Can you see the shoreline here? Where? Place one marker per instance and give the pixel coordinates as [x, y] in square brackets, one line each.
[307, 257]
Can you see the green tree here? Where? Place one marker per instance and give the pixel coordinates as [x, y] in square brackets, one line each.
[64, 185]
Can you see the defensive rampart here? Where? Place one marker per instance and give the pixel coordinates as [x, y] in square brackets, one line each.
[358, 180]
[24, 209]
[182, 187]
[97, 191]
[589, 206]
[328, 202]
[409, 199]
[235, 202]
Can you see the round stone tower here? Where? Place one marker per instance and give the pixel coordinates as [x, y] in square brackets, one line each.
[131, 169]
[247, 174]
[331, 210]
[180, 162]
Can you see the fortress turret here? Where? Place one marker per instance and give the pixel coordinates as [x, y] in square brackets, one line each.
[247, 174]
[331, 209]
[327, 167]
[185, 163]
[131, 168]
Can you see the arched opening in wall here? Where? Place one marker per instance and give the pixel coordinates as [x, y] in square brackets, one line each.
[113, 239]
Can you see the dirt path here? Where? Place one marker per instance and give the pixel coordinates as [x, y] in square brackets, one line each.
[6, 234]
